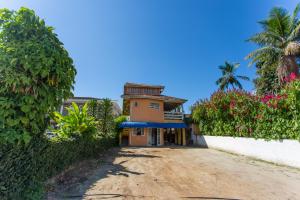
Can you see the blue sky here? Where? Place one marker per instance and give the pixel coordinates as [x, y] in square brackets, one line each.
[179, 44]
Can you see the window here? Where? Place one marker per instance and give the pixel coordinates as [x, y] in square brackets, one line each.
[138, 132]
[154, 106]
[135, 104]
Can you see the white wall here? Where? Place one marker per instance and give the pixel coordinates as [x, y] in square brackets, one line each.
[286, 152]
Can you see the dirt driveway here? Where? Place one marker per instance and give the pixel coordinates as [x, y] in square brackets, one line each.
[177, 173]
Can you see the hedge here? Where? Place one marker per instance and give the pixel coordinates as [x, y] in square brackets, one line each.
[24, 168]
[241, 114]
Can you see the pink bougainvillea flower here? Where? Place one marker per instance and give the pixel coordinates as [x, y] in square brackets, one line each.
[293, 76]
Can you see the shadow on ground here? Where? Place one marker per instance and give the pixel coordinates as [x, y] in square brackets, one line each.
[86, 174]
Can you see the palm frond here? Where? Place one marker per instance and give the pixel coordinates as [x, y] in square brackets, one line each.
[278, 21]
[236, 65]
[219, 81]
[246, 78]
[295, 33]
[266, 38]
[294, 17]
[237, 83]
[267, 51]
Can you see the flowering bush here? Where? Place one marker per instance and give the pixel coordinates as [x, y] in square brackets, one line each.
[230, 113]
[240, 114]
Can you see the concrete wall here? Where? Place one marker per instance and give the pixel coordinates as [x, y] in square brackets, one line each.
[286, 152]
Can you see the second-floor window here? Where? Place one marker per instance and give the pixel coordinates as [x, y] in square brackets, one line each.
[154, 106]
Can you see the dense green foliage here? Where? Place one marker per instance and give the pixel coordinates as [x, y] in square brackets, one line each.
[102, 111]
[229, 78]
[267, 81]
[24, 168]
[240, 114]
[279, 48]
[77, 123]
[36, 74]
[118, 121]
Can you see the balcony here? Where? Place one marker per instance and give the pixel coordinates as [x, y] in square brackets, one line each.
[173, 115]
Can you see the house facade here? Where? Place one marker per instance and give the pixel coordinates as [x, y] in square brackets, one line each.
[154, 119]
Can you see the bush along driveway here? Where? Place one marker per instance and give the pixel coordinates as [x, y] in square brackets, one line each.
[175, 173]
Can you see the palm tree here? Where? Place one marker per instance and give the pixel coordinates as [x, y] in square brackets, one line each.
[279, 42]
[229, 77]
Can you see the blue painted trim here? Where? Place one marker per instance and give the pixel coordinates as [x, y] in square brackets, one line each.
[151, 125]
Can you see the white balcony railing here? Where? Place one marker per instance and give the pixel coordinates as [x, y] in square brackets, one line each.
[173, 115]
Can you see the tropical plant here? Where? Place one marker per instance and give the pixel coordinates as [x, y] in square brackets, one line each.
[77, 123]
[278, 42]
[93, 108]
[229, 78]
[102, 111]
[106, 117]
[118, 121]
[36, 74]
[266, 81]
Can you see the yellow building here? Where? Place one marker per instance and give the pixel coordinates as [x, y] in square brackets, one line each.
[153, 118]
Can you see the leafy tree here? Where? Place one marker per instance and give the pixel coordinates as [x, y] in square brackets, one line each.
[93, 108]
[103, 112]
[105, 116]
[77, 123]
[36, 74]
[266, 81]
[278, 42]
[229, 78]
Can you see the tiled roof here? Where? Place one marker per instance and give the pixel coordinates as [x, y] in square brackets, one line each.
[143, 85]
[158, 97]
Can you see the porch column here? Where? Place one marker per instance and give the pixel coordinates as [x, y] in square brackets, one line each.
[183, 137]
[179, 136]
[176, 136]
[162, 136]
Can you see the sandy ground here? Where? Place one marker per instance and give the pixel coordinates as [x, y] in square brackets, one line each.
[176, 173]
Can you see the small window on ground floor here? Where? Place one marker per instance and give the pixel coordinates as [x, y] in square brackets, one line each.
[138, 132]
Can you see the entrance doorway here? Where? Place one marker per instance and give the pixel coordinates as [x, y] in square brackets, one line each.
[154, 137]
[169, 136]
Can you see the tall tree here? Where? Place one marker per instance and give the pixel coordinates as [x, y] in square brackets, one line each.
[266, 81]
[106, 117]
[229, 77]
[102, 111]
[278, 42]
[36, 74]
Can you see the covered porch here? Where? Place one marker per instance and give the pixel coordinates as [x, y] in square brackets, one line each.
[152, 134]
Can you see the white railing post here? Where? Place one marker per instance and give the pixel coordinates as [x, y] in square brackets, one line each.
[173, 115]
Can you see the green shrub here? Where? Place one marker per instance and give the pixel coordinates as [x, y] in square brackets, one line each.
[240, 114]
[24, 168]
